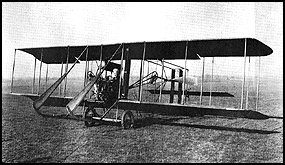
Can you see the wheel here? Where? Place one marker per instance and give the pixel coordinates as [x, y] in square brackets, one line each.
[89, 113]
[127, 120]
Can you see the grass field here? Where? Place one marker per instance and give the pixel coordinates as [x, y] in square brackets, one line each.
[29, 137]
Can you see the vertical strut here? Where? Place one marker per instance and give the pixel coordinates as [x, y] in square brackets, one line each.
[202, 79]
[142, 72]
[160, 89]
[172, 86]
[120, 72]
[147, 73]
[179, 97]
[46, 77]
[86, 68]
[247, 87]
[241, 101]
[184, 75]
[101, 56]
[85, 77]
[35, 65]
[257, 86]
[60, 76]
[13, 70]
[40, 72]
[210, 100]
[66, 67]
[155, 80]
[91, 66]
[126, 77]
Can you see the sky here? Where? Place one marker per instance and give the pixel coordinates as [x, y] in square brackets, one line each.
[40, 24]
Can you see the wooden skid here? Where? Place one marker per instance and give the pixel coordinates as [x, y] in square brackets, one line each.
[107, 119]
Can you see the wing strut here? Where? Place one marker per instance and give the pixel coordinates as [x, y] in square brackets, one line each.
[161, 81]
[43, 97]
[241, 101]
[248, 83]
[184, 75]
[202, 80]
[42, 54]
[142, 73]
[210, 99]
[60, 76]
[66, 67]
[46, 77]
[35, 66]
[257, 86]
[121, 76]
[86, 69]
[13, 70]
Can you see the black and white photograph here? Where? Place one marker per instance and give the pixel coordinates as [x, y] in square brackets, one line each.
[142, 82]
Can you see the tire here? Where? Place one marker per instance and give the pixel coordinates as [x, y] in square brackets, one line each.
[88, 114]
[127, 120]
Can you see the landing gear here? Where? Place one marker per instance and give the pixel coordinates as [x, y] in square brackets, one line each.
[93, 116]
[127, 120]
[88, 114]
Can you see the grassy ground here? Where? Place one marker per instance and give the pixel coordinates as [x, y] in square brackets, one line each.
[29, 137]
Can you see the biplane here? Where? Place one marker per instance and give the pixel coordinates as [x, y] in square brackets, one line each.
[119, 98]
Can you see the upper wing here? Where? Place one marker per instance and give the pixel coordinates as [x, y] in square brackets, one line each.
[167, 50]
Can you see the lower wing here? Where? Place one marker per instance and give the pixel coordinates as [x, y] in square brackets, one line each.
[55, 101]
[193, 93]
[188, 110]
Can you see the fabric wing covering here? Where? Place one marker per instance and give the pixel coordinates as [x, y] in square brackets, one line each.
[168, 50]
